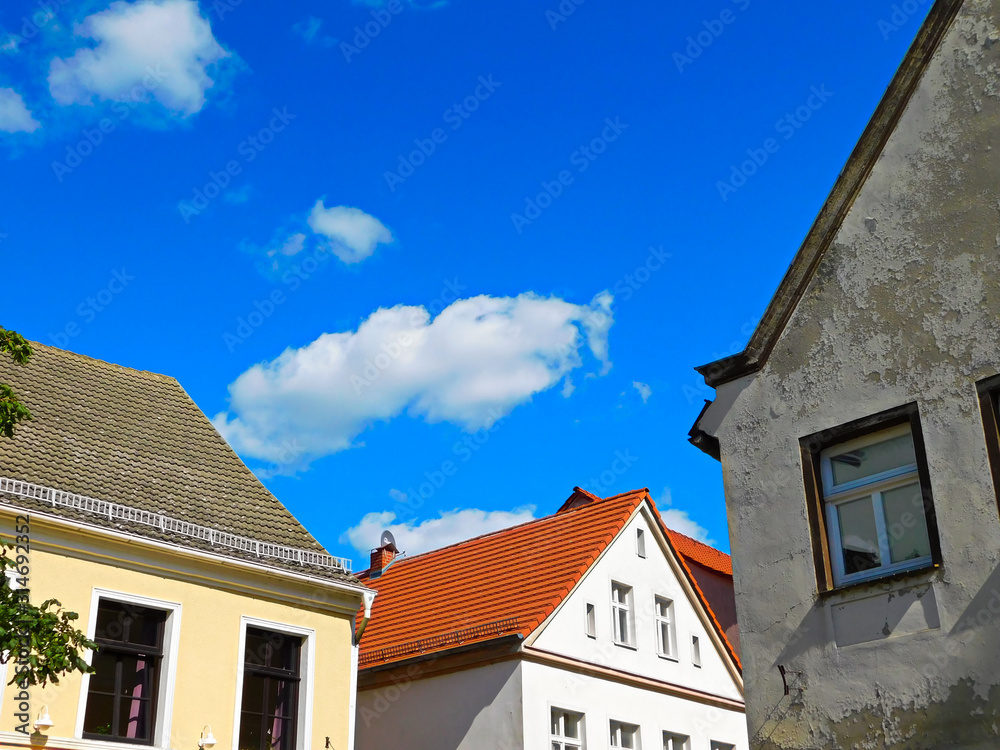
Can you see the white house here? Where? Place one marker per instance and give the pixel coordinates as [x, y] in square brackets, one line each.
[585, 629]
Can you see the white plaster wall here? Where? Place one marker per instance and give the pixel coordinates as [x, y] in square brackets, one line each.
[469, 710]
[650, 577]
[601, 701]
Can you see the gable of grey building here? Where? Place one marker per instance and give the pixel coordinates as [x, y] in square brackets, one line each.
[858, 429]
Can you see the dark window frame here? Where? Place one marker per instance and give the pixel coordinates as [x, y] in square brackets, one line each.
[272, 673]
[122, 648]
[989, 407]
[812, 446]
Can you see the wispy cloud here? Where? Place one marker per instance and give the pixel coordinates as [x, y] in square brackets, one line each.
[309, 29]
[163, 49]
[680, 520]
[470, 366]
[14, 115]
[448, 528]
[644, 390]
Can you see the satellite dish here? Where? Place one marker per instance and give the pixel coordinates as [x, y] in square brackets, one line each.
[388, 540]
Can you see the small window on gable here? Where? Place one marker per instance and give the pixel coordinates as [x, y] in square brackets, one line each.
[640, 542]
[695, 651]
[666, 628]
[591, 621]
[567, 730]
[869, 500]
[989, 404]
[722, 746]
[673, 741]
[624, 735]
[623, 621]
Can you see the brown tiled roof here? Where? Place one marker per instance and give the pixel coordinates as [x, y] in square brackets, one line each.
[136, 438]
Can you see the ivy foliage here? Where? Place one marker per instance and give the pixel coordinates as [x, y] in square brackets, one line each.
[41, 641]
[12, 410]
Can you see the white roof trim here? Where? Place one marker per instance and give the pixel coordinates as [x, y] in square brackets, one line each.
[168, 525]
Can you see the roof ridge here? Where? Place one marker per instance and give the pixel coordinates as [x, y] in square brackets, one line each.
[408, 558]
[102, 362]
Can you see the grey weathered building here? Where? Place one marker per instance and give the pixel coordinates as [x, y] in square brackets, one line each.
[858, 430]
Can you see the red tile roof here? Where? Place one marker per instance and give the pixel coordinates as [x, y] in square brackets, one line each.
[701, 553]
[502, 583]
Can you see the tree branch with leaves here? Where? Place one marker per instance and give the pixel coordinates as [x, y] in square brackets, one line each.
[12, 411]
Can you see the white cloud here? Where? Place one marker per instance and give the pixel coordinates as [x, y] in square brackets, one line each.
[644, 390]
[14, 115]
[158, 50]
[470, 366]
[353, 235]
[680, 520]
[308, 28]
[448, 528]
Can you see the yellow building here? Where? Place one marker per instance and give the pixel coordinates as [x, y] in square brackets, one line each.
[221, 620]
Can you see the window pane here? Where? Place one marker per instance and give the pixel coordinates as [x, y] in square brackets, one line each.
[250, 734]
[103, 680]
[133, 718]
[110, 621]
[873, 459]
[281, 733]
[905, 523]
[256, 647]
[99, 712]
[859, 538]
[253, 693]
[135, 676]
[571, 728]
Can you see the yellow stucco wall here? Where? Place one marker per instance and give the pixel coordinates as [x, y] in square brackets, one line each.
[208, 652]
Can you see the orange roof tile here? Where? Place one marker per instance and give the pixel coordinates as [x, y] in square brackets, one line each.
[701, 553]
[506, 582]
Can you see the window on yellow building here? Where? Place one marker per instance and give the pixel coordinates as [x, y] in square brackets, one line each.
[271, 678]
[122, 692]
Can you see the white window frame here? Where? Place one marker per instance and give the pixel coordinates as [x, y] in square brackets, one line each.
[307, 672]
[696, 650]
[673, 738]
[628, 606]
[590, 620]
[622, 726]
[835, 495]
[163, 724]
[716, 745]
[567, 743]
[640, 543]
[670, 649]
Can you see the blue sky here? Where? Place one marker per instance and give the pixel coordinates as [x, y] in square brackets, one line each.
[430, 264]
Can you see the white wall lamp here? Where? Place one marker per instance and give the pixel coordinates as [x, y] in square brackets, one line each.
[44, 721]
[207, 739]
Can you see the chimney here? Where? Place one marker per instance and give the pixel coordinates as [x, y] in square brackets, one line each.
[381, 557]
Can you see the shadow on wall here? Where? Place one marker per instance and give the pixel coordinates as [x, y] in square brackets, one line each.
[465, 710]
[955, 676]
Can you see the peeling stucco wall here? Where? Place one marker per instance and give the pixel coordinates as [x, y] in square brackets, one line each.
[905, 307]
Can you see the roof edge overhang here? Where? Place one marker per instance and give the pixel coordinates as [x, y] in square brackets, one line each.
[435, 663]
[113, 542]
[842, 197]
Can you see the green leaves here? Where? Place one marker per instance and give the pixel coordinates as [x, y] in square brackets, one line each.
[41, 641]
[12, 411]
